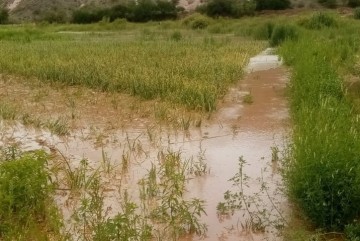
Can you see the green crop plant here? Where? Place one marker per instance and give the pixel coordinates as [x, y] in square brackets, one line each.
[27, 211]
[186, 72]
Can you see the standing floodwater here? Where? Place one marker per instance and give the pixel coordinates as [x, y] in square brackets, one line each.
[250, 124]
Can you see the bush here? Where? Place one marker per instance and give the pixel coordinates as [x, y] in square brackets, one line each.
[352, 232]
[328, 3]
[357, 13]
[55, 17]
[140, 11]
[319, 21]
[83, 16]
[228, 8]
[197, 21]
[146, 10]
[282, 33]
[354, 3]
[118, 12]
[272, 4]
[24, 194]
[4, 16]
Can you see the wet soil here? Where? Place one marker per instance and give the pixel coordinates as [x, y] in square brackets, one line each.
[237, 129]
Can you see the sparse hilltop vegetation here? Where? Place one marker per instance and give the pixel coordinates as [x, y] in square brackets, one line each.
[63, 11]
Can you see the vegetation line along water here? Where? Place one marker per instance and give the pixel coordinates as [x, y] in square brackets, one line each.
[322, 172]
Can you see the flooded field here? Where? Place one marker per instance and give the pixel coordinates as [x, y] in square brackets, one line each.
[251, 122]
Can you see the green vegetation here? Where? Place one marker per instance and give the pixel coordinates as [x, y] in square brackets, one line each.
[353, 3]
[328, 3]
[228, 8]
[190, 63]
[193, 71]
[26, 207]
[272, 4]
[139, 11]
[281, 33]
[357, 13]
[4, 15]
[323, 171]
[318, 21]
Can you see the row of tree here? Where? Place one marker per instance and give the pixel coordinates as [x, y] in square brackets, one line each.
[139, 11]
[156, 10]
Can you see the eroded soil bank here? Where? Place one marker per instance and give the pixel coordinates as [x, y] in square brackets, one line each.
[251, 122]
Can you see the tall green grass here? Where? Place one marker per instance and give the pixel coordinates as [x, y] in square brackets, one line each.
[27, 211]
[323, 172]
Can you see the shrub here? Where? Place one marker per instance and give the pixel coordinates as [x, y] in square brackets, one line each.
[354, 3]
[4, 16]
[357, 13]
[328, 3]
[118, 12]
[55, 17]
[272, 4]
[197, 21]
[228, 8]
[319, 21]
[24, 194]
[282, 33]
[83, 16]
[140, 11]
[146, 10]
[352, 232]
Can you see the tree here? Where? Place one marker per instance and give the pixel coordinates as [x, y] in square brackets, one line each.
[4, 15]
[272, 4]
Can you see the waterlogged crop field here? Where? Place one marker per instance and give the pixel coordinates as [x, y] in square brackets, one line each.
[111, 117]
[164, 131]
[194, 70]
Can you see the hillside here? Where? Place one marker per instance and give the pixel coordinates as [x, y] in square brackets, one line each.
[29, 10]
[25, 10]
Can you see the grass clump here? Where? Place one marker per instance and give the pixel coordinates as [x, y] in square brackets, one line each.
[264, 31]
[319, 21]
[59, 126]
[357, 13]
[8, 111]
[26, 208]
[281, 33]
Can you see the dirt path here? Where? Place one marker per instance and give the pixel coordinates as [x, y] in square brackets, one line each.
[236, 129]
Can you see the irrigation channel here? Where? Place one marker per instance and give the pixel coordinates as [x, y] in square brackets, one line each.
[252, 122]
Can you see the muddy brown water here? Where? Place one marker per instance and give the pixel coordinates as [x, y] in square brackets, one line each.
[236, 129]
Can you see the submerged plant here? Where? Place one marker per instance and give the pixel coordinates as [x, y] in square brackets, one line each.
[166, 185]
[258, 214]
